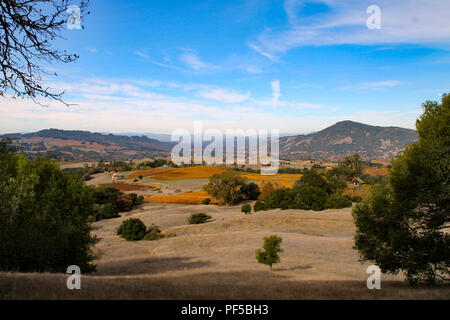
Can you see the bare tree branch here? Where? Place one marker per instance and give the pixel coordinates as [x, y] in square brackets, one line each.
[27, 30]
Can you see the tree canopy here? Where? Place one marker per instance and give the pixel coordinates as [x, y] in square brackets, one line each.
[402, 227]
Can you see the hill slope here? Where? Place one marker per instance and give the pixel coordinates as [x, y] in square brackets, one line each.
[85, 145]
[348, 137]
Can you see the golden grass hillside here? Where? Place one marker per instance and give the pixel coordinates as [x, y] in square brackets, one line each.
[216, 260]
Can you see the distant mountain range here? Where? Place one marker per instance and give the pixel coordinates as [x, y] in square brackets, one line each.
[85, 145]
[342, 138]
[345, 138]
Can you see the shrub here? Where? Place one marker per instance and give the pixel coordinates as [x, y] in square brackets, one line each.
[105, 211]
[153, 233]
[311, 179]
[338, 201]
[124, 202]
[198, 218]
[357, 199]
[206, 201]
[246, 208]
[269, 255]
[280, 198]
[132, 229]
[259, 205]
[250, 191]
[309, 198]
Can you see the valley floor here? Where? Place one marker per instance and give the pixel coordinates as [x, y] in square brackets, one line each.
[217, 260]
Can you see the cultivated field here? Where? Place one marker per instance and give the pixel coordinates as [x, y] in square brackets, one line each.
[217, 260]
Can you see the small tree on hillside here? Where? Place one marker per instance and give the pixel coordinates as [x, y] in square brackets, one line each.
[246, 208]
[350, 167]
[226, 187]
[269, 255]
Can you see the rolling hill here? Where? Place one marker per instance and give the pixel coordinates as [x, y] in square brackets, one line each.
[85, 145]
[345, 138]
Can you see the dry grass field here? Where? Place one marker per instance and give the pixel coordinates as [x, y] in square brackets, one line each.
[216, 260]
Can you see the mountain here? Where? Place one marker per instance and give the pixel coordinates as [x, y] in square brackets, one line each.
[345, 138]
[85, 145]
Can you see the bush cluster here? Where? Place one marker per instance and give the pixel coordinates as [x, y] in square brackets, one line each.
[134, 229]
[311, 192]
[198, 218]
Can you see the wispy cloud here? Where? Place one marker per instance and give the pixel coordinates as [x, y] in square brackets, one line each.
[262, 52]
[276, 92]
[156, 63]
[225, 96]
[192, 60]
[403, 22]
[376, 85]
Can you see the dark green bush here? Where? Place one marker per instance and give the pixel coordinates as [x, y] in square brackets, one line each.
[311, 179]
[357, 199]
[279, 198]
[132, 229]
[246, 208]
[206, 201]
[259, 205]
[250, 191]
[198, 218]
[309, 198]
[105, 211]
[153, 233]
[338, 201]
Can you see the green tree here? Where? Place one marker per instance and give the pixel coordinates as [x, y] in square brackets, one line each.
[311, 179]
[270, 253]
[246, 208]
[348, 168]
[309, 198]
[401, 227]
[226, 187]
[250, 191]
[44, 214]
[132, 229]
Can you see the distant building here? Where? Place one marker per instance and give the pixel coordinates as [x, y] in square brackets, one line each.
[357, 182]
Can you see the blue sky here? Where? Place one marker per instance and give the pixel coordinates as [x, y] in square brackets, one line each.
[296, 66]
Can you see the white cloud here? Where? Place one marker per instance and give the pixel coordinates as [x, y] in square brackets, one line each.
[376, 85]
[225, 96]
[276, 92]
[194, 62]
[262, 52]
[402, 22]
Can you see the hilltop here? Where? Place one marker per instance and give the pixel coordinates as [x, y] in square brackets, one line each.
[348, 137]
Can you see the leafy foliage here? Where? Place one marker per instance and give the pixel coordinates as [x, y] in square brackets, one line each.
[246, 208]
[44, 214]
[271, 249]
[206, 201]
[226, 187]
[250, 191]
[132, 229]
[310, 198]
[198, 218]
[259, 205]
[312, 179]
[338, 201]
[401, 227]
[153, 233]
